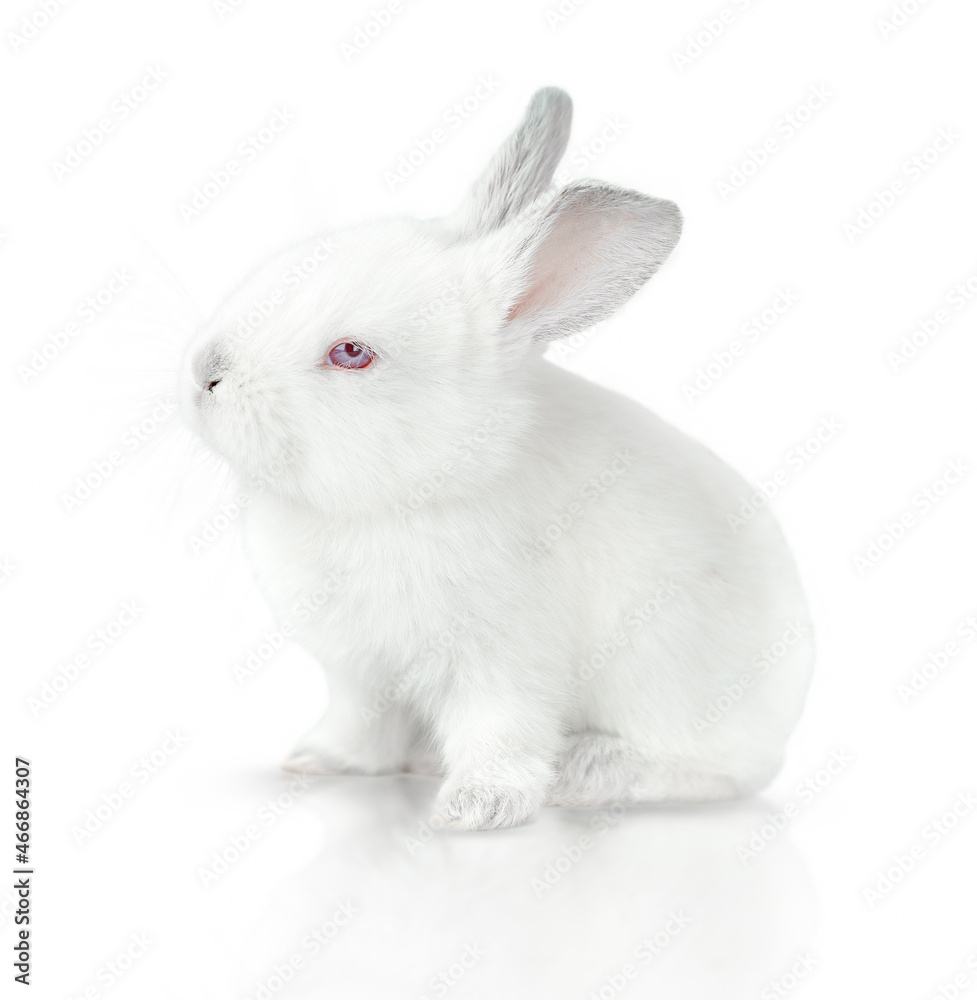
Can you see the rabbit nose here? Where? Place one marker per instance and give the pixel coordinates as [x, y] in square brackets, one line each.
[209, 366]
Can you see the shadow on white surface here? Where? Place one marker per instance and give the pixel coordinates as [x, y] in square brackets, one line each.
[651, 901]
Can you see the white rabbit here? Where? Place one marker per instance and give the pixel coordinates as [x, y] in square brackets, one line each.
[515, 579]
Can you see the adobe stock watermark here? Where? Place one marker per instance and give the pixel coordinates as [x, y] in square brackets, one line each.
[119, 111]
[439, 304]
[802, 966]
[581, 158]
[603, 820]
[750, 333]
[922, 503]
[911, 171]
[7, 569]
[223, 8]
[436, 646]
[645, 952]
[372, 28]
[238, 844]
[312, 944]
[132, 439]
[109, 973]
[900, 14]
[466, 450]
[785, 128]
[32, 24]
[268, 475]
[139, 775]
[921, 677]
[96, 643]
[488, 772]
[450, 121]
[271, 642]
[453, 973]
[960, 983]
[589, 493]
[733, 692]
[795, 460]
[261, 308]
[392, 693]
[805, 792]
[89, 309]
[702, 39]
[246, 152]
[562, 12]
[8, 907]
[933, 834]
[635, 620]
[212, 529]
[565, 348]
[927, 329]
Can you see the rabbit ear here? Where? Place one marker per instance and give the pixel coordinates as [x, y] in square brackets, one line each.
[522, 168]
[587, 252]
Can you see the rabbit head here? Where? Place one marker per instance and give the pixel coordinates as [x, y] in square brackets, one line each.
[350, 371]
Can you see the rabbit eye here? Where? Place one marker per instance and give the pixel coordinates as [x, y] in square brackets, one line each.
[349, 355]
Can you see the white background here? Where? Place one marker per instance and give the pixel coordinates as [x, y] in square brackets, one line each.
[682, 129]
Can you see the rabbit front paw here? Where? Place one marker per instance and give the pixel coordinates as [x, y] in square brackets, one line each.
[487, 807]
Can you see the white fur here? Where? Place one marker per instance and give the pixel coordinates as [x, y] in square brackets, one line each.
[533, 588]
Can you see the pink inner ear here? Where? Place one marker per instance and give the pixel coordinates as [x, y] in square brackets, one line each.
[566, 261]
[535, 299]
